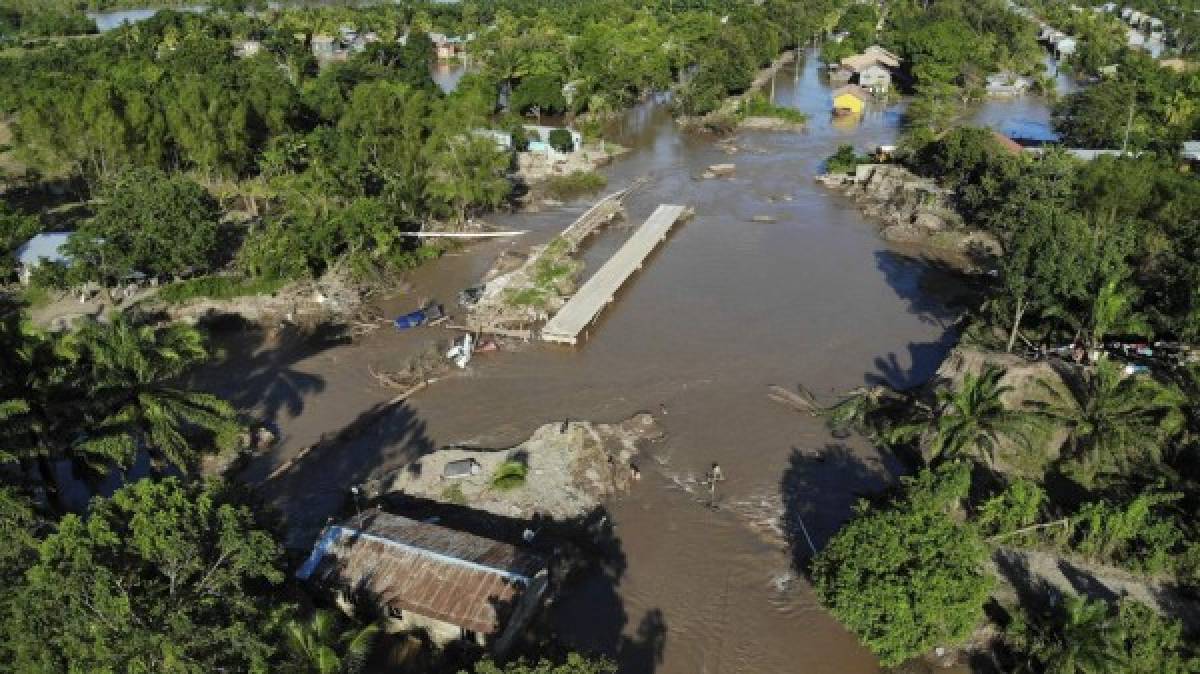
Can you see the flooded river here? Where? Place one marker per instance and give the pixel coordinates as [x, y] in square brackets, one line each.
[724, 309]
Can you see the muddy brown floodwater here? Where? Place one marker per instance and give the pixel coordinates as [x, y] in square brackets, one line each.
[725, 308]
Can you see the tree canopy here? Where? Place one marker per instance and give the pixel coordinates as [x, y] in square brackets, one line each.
[160, 577]
[908, 577]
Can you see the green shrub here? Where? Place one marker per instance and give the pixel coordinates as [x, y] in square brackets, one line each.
[574, 183]
[454, 494]
[845, 160]
[510, 475]
[560, 139]
[217, 288]
[908, 576]
[759, 105]
[35, 296]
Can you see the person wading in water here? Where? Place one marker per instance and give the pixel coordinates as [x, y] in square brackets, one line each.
[713, 476]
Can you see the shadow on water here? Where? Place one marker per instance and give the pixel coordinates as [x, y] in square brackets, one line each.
[820, 489]
[264, 360]
[315, 485]
[937, 293]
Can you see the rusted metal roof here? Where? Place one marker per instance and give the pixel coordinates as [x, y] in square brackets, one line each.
[1008, 144]
[402, 564]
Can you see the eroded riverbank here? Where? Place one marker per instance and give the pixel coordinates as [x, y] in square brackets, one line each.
[726, 308]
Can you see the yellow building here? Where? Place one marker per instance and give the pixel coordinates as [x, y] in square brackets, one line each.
[850, 100]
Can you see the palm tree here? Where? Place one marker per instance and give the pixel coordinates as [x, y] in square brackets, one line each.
[971, 418]
[1113, 311]
[319, 647]
[866, 408]
[39, 410]
[129, 372]
[1112, 420]
[1080, 639]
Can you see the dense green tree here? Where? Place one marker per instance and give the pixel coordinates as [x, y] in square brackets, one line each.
[907, 577]
[1153, 644]
[15, 230]
[119, 382]
[574, 664]
[148, 222]
[161, 577]
[465, 172]
[539, 94]
[129, 377]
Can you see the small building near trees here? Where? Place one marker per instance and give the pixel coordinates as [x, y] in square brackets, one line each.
[450, 47]
[850, 100]
[324, 47]
[420, 576]
[1004, 85]
[875, 78]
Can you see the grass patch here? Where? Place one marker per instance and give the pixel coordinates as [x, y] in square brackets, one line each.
[575, 182]
[759, 105]
[35, 296]
[527, 297]
[510, 475]
[845, 160]
[554, 266]
[217, 288]
[454, 494]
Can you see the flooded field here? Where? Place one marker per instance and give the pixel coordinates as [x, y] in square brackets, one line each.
[724, 309]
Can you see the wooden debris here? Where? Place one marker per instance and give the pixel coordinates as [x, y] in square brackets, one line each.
[802, 401]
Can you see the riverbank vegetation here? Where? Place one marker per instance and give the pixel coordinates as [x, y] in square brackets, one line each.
[1076, 450]
[1143, 107]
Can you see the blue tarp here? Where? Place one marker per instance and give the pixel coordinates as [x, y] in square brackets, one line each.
[419, 317]
[410, 320]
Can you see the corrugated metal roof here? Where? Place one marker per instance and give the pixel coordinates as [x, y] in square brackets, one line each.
[403, 564]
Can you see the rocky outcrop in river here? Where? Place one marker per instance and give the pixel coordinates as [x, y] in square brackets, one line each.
[912, 209]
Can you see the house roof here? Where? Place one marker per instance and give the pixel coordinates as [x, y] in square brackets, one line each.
[1191, 149]
[1012, 146]
[884, 56]
[430, 570]
[853, 90]
[46, 247]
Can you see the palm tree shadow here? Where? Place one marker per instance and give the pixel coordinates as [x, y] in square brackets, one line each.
[938, 294]
[316, 485]
[264, 362]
